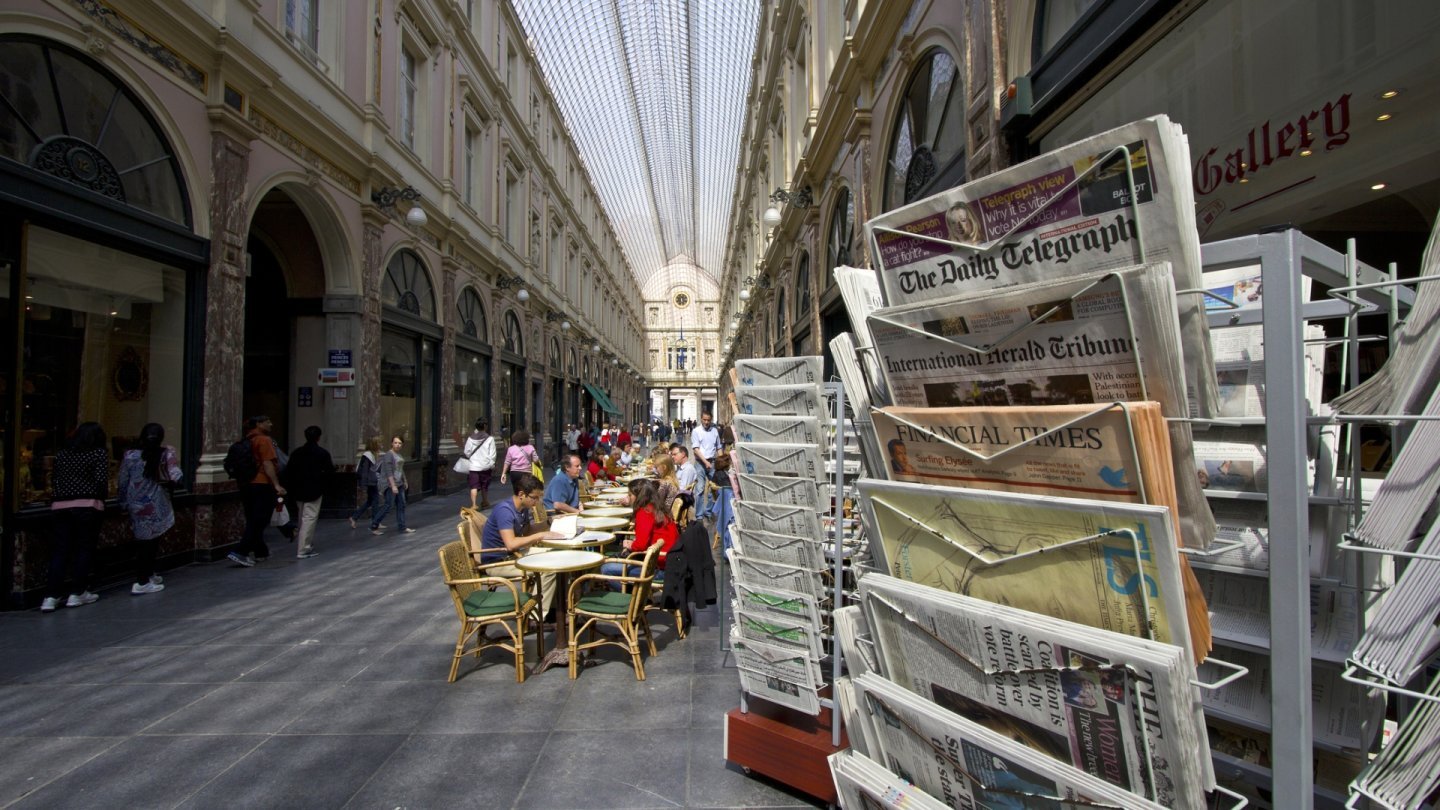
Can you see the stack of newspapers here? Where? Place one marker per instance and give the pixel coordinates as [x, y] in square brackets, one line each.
[777, 557]
[980, 704]
[1407, 771]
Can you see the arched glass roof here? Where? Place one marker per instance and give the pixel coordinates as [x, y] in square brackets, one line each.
[654, 94]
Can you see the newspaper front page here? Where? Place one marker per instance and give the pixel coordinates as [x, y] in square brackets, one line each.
[963, 762]
[1022, 551]
[779, 460]
[1067, 212]
[1093, 699]
[776, 429]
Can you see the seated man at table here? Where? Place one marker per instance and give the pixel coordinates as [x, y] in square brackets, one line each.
[562, 494]
[652, 525]
[508, 534]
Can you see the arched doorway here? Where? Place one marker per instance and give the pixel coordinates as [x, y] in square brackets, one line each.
[410, 365]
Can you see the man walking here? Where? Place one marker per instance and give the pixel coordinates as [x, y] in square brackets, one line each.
[705, 440]
[260, 493]
[307, 475]
[392, 478]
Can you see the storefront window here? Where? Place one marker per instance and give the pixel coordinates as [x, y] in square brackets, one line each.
[104, 341]
[472, 389]
[471, 309]
[399, 386]
[1055, 18]
[927, 146]
[508, 384]
[842, 229]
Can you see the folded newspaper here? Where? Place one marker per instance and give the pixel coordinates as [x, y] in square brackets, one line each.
[848, 367]
[864, 784]
[1407, 771]
[1113, 452]
[1402, 633]
[1107, 565]
[765, 371]
[964, 763]
[783, 400]
[781, 675]
[777, 429]
[780, 491]
[1074, 341]
[1117, 707]
[1240, 613]
[779, 460]
[1394, 518]
[1080, 208]
[861, 294]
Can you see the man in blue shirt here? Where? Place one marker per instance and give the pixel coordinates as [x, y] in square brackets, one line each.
[562, 494]
[507, 533]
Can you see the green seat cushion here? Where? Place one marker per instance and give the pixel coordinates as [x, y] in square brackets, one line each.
[492, 603]
[612, 603]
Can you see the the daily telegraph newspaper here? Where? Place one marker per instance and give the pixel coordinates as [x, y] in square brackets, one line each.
[966, 764]
[1091, 698]
[1064, 213]
[1058, 556]
[863, 784]
[1114, 452]
[778, 674]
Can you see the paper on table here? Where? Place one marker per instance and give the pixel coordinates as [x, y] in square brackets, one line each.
[566, 525]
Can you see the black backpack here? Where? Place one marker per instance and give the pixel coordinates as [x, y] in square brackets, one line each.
[240, 462]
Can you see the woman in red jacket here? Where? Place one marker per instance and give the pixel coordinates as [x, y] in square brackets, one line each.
[652, 525]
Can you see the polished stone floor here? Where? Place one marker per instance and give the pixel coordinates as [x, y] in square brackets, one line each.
[321, 683]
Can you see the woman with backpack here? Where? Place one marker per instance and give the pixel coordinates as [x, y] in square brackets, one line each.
[365, 474]
[480, 450]
[147, 476]
[520, 456]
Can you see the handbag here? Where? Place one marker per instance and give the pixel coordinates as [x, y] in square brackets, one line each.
[537, 472]
[462, 465]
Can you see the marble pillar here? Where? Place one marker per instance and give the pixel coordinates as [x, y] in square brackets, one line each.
[367, 359]
[446, 479]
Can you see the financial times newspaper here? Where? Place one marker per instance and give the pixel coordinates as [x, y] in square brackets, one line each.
[965, 764]
[1090, 698]
[1064, 213]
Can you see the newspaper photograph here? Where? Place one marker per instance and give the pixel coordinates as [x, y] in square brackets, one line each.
[766, 575]
[777, 429]
[964, 762]
[1346, 715]
[779, 675]
[782, 549]
[1239, 353]
[780, 491]
[863, 784]
[1091, 698]
[782, 400]
[1114, 566]
[1067, 212]
[763, 371]
[1232, 459]
[796, 521]
[779, 460]
[785, 633]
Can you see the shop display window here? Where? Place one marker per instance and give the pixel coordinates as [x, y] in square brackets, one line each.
[103, 340]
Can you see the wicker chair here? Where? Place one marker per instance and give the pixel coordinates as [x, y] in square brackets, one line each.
[481, 601]
[624, 610]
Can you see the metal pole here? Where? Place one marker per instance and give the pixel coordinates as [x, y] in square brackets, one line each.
[837, 526]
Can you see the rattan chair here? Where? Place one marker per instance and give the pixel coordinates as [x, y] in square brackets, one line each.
[624, 610]
[481, 601]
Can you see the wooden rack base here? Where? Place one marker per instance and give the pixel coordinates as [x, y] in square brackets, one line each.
[785, 745]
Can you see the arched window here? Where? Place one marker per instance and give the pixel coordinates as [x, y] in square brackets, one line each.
[554, 355]
[64, 115]
[842, 229]
[587, 368]
[927, 144]
[780, 314]
[407, 286]
[514, 339]
[472, 321]
[802, 290]
[572, 366]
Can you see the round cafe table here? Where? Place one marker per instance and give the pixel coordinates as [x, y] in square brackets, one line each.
[603, 523]
[562, 564]
[582, 540]
[607, 511]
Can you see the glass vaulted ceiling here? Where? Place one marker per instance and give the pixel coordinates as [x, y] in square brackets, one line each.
[653, 92]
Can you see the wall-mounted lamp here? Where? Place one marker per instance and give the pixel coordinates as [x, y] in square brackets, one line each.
[387, 196]
[799, 199]
[506, 282]
[595, 348]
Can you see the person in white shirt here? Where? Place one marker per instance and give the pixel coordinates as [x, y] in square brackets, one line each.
[572, 438]
[687, 473]
[705, 438]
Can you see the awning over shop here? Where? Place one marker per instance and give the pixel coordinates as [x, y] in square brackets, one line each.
[602, 399]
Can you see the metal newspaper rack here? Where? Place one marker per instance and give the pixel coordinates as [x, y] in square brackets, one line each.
[837, 501]
[1284, 258]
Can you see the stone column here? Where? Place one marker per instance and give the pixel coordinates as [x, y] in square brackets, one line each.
[367, 359]
[218, 522]
[445, 478]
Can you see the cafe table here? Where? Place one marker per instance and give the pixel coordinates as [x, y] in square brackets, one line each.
[606, 511]
[583, 540]
[603, 523]
[561, 563]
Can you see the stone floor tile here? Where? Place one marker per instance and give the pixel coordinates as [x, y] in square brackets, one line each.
[616, 768]
[323, 663]
[454, 770]
[654, 703]
[244, 708]
[370, 708]
[29, 763]
[306, 772]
